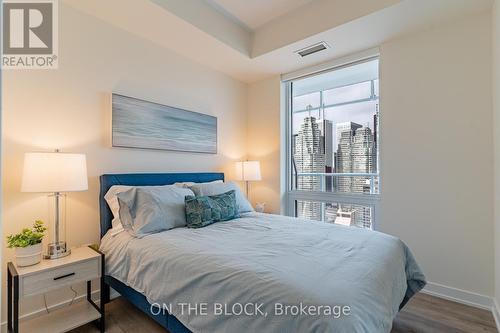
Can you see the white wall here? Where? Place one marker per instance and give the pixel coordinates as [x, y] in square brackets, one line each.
[263, 142]
[69, 109]
[496, 116]
[436, 149]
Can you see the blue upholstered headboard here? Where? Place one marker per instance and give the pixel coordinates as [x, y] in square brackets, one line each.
[145, 179]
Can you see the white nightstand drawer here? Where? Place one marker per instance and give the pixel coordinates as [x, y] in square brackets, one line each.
[58, 277]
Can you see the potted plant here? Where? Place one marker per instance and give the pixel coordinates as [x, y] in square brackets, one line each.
[28, 244]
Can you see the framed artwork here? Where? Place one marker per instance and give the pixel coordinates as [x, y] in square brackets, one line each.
[141, 124]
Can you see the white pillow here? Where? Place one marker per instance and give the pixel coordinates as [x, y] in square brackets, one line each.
[218, 188]
[112, 200]
[189, 184]
[146, 210]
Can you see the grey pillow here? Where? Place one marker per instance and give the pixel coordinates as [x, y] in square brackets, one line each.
[203, 189]
[149, 209]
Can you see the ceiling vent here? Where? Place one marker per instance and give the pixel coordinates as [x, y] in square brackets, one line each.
[312, 49]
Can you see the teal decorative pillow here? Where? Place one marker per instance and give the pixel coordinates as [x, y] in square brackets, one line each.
[218, 188]
[204, 210]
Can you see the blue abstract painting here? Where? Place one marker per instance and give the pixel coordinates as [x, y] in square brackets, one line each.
[143, 124]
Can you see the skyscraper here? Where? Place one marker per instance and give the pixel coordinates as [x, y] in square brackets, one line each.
[326, 129]
[356, 153]
[312, 154]
[344, 155]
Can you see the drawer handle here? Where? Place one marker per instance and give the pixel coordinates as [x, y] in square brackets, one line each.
[64, 276]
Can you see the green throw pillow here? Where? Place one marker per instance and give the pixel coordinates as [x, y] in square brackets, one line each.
[204, 210]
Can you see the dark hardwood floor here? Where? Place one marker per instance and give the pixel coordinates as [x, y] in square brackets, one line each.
[423, 314]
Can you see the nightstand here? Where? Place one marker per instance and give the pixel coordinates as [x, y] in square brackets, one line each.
[82, 265]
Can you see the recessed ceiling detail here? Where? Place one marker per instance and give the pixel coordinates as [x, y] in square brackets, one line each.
[197, 31]
[255, 13]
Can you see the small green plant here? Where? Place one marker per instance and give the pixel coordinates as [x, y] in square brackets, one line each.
[27, 236]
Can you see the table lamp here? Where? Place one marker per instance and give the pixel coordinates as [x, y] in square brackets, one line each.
[55, 173]
[248, 171]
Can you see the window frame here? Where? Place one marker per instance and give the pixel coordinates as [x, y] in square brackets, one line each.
[291, 195]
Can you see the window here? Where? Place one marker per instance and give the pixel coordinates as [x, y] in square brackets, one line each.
[333, 145]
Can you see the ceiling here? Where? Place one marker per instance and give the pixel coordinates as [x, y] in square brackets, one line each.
[255, 13]
[214, 38]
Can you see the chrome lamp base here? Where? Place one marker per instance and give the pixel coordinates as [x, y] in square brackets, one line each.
[56, 250]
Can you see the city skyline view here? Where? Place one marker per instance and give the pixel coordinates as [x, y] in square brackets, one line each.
[335, 131]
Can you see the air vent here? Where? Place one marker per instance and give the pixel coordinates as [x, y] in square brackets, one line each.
[312, 49]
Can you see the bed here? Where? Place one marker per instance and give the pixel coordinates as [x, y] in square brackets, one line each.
[258, 273]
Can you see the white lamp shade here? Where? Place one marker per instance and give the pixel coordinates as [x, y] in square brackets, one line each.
[248, 170]
[54, 172]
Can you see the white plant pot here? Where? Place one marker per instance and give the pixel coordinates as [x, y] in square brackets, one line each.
[27, 256]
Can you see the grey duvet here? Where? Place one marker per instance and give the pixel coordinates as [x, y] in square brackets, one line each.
[269, 273]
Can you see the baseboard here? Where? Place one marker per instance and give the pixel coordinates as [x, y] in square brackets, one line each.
[496, 313]
[41, 311]
[459, 296]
